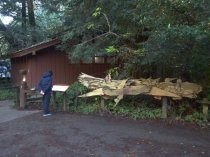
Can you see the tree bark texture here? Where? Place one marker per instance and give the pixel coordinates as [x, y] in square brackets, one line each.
[24, 14]
[31, 13]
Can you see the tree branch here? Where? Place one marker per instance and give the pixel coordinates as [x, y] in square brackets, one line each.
[104, 34]
[108, 23]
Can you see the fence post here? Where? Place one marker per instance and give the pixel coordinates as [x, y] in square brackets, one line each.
[102, 104]
[17, 88]
[23, 95]
[164, 107]
[23, 88]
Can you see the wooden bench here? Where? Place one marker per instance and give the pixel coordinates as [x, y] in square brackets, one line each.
[33, 96]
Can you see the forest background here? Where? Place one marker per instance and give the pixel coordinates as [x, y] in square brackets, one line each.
[151, 38]
[156, 38]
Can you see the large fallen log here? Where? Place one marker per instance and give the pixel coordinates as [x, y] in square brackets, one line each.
[117, 88]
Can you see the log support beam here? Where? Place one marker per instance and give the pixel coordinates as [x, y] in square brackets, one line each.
[164, 107]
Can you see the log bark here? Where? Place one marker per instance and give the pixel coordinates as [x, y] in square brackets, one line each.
[118, 88]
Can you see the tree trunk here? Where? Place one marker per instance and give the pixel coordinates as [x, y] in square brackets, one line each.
[32, 22]
[24, 14]
[31, 13]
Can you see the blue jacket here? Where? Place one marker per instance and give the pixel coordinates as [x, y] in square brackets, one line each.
[45, 83]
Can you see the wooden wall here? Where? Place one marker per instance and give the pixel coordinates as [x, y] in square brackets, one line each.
[50, 59]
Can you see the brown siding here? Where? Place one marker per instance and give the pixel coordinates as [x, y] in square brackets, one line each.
[17, 65]
[51, 59]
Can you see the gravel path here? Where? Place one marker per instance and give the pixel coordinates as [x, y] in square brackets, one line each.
[76, 135]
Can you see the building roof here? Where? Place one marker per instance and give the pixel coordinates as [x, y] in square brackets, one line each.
[35, 48]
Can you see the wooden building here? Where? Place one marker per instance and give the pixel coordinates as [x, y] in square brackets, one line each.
[43, 57]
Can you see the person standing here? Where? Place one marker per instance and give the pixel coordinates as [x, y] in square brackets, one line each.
[45, 88]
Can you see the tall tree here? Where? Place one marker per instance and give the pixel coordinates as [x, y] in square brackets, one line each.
[31, 16]
[8, 8]
[24, 14]
[169, 38]
[22, 31]
[31, 19]
[159, 38]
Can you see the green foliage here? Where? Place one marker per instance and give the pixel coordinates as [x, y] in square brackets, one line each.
[85, 108]
[97, 12]
[20, 33]
[7, 94]
[196, 117]
[90, 26]
[183, 49]
[111, 50]
[135, 112]
[158, 38]
[49, 23]
[114, 72]
[137, 107]
[171, 36]
[125, 109]
[188, 112]
[151, 38]
[73, 91]
[4, 47]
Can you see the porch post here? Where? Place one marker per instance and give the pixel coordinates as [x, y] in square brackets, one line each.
[23, 88]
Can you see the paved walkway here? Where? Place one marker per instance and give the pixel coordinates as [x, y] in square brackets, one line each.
[29, 134]
[8, 113]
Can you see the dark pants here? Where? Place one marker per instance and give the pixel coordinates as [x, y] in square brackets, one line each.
[46, 102]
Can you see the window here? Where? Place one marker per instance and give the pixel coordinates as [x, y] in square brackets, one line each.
[87, 60]
[99, 59]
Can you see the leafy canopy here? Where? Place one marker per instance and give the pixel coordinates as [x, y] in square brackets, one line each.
[159, 38]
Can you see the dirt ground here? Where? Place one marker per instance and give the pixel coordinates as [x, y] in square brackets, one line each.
[76, 135]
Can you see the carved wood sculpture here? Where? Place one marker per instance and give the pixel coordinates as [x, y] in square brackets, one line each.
[117, 88]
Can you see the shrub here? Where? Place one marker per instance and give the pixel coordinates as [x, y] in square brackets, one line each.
[135, 110]
[7, 94]
[135, 107]
[196, 117]
[72, 94]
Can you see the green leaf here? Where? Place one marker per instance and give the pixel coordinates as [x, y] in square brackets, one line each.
[97, 12]
[111, 50]
[90, 26]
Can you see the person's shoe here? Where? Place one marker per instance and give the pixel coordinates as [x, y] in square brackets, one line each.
[48, 114]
